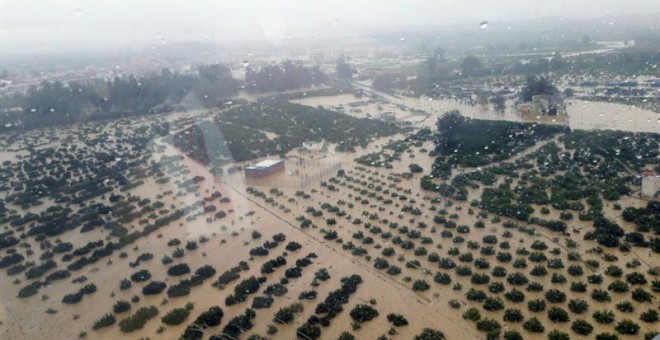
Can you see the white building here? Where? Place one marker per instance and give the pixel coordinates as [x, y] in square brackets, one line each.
[312, 146]
[650, 184]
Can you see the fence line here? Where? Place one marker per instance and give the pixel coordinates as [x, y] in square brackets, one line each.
[297, 180]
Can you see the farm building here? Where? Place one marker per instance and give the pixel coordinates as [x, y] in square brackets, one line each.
[650, 183]
[264, 168]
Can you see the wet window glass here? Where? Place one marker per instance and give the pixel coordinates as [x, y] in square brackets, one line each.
[329, 169]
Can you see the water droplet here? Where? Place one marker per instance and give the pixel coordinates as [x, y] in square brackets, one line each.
[483, 24]
[245, 63]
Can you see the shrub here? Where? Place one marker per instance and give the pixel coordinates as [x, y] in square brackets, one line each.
[575, 270]
[380, 263]
[556, 314]
[397, 320]
[393, 270]
[259, 251]
[293, 246]
[178, 269]
[496, 287]
[138, 319]
[618, 286]
[555, 296]
[518, 279]
[650, 316]
[362, 313]
[307, 295]
[513, 315]
[578, 306]
[475, 295]
[582, 327]
[309, 331]
[512, 334]
[625, 307]
[106, 320]
[515, 296]
[176, 316]
[603, 316]
[488, 325]
[537, 305]
[286, 315]
[578, 287]
[636, 278]
[210, 317]
[558, 278]
[453, 303]
[533, 325]
[276, 289]
[72, 298]
[430, 334]
[651, 335]
[614, 271]
[539, 271]
[346, 336]
[600, 295]
[607, 336]
[154, 287]
[121, 306]
[493, 304]
[627, 327]
[595, 279]
[239, 324]
[479, 279]
[472, 314]
[535, 287]
[420, 285]
[141, 276]
[641, 295]
[499, 271]
[260, 302]
[293, 272]
[558, 335]
[270, 265]
[125, 284]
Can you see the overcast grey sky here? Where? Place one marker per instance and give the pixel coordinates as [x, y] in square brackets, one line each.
[48, 26]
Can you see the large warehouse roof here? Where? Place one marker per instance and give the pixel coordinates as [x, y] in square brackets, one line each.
[267, 163]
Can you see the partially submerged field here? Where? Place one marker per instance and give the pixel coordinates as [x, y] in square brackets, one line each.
[536, 233]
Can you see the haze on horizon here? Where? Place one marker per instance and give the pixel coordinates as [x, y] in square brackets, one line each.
[37, 27]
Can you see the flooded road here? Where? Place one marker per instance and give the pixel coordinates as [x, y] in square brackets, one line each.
[424, 111]
[587, 115]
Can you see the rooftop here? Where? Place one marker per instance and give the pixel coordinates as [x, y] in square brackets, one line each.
[267, 163]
